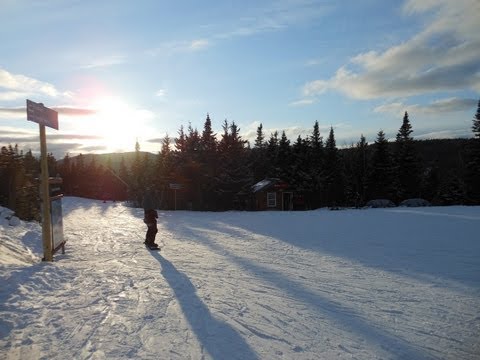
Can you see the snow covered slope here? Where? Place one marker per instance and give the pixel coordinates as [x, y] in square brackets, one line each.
[400, 283]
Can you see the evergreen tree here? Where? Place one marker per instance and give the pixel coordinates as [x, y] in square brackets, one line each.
[147, 172]
[137, 177]
[52, 165]
[472, 177]
[284, 158]
[187, 166]
[258, 154]
[165, 172]
[260, 139]
[32, 164]
[380, 184]
[92, 174]
[301, 179]
[124, 174]
[234, 173]
[208, 159]
[316, 156]
[18, 189]
[208, 140]
[192, 142]
[451, 191]
[180, 142]
[476, 123]
[65, 170]
[80, 183]
[272, 155]
[361, 162]
[109, 161]
[431, 182]
[316, 141]
[334, 173]
[408, 168]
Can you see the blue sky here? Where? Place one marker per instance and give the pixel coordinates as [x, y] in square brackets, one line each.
[118, 71]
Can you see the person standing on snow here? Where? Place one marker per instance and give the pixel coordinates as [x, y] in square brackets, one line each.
[150, 218]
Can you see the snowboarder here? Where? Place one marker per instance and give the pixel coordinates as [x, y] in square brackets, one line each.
[150, 218]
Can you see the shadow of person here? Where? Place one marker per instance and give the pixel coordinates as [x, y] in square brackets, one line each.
[216, 337]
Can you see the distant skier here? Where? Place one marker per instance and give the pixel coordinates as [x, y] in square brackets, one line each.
[150, 218]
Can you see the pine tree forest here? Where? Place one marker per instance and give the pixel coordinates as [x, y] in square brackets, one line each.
[201, 170]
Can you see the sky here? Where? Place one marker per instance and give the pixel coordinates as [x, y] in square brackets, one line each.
[122, 71]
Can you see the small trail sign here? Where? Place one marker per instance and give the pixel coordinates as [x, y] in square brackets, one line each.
[42, 115]
[175, 187]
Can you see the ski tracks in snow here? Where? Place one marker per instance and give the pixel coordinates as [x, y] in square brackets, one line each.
[223, 287]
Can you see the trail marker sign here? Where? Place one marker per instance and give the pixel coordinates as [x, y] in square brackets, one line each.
[174, 186]
[42, 115]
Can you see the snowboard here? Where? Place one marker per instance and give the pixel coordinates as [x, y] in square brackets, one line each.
[153, 248]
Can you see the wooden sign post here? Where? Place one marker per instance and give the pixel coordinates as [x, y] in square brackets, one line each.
[45, 190]
[44, 116]
[175, 187]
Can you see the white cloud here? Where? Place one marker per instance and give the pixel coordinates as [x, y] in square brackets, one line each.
[302, 102]
[314, 62]
[13, 95]
[105, 62]
[442, 57]
[21, 85]
[161, 93]
[276, 16]
[437, 107]
[198, 44]
[444, 134]
[174, 47]
[256, 19]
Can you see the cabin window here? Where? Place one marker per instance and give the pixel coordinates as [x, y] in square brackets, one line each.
[271, 199]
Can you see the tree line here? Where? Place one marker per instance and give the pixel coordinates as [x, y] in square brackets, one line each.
[212, 171]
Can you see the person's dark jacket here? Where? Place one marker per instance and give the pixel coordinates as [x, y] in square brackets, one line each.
[148, 201]
[149, 208]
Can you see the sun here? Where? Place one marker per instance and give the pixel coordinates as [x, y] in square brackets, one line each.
[118, 124]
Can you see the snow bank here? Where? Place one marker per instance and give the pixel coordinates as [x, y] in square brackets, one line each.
[18, 240]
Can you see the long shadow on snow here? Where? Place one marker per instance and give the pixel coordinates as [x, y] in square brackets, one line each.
[414, 242]
[219, 339]
[347, 317]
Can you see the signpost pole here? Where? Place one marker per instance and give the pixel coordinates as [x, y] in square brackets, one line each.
[46, 220]
[175, 187]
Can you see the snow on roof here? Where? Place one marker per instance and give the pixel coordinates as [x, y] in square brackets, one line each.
[263, 184]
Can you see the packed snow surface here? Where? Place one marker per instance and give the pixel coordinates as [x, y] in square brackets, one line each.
[399, 283]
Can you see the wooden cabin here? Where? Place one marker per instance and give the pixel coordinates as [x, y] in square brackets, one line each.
[271, 194]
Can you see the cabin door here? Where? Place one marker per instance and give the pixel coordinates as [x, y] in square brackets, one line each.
[287, 203]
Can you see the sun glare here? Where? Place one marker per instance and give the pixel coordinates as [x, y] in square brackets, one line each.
[118, 124]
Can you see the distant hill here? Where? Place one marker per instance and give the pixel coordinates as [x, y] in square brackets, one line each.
[112, 159]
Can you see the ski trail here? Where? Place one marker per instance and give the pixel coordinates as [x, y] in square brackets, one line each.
[318, 297]
[226, 286]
